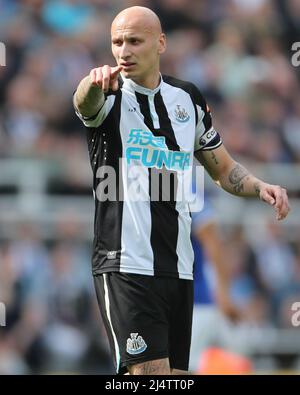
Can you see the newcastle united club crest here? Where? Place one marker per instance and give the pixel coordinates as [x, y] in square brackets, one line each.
[136, 344]
[181, 114]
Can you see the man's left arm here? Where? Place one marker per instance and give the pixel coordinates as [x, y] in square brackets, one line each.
[237, 180]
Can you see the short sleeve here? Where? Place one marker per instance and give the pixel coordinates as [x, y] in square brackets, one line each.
[206, 137]
[97, 119]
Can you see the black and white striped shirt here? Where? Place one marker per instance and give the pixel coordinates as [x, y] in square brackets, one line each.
[152, 131]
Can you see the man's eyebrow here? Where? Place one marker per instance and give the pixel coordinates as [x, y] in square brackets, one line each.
[135, 37]
[126, 38]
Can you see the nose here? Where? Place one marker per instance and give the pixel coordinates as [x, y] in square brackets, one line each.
[125, 51]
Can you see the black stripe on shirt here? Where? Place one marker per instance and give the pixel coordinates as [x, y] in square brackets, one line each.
[145, 110]
[166, 128]
[108, 214]
[164, 216]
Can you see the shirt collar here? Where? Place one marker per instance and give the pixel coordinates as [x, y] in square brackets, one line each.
[134, 87]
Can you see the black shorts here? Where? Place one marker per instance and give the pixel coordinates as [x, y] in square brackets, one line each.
[146, 318]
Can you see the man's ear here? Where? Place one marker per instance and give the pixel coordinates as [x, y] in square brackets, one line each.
[162, 43]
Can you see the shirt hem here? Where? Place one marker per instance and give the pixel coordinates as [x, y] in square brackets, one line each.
[181, 276]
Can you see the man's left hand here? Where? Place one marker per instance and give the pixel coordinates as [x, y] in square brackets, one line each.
[277, 197]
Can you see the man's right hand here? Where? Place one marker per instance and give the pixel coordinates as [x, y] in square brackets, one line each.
[105, 77]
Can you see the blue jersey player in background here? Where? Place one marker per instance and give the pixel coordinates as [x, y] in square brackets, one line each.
[212, 303]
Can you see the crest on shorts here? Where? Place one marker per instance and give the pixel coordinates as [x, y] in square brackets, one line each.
[181, 114]
[135, 344]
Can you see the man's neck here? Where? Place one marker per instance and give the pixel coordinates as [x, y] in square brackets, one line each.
[150, 82]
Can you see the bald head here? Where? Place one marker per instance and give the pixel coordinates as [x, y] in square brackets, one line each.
[140, 17]
[137, 43]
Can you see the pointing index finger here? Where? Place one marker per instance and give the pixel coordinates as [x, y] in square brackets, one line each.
[115, 71]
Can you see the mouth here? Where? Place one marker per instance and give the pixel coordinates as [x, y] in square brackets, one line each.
[127, 65]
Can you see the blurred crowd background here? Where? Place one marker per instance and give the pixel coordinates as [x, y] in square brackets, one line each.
[238, 52]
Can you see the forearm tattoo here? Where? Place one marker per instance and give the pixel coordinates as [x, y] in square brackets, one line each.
[236, 176]
[257, 189]
[214, 158]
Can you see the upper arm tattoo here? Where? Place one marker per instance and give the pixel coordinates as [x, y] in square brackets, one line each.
[236, 176]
